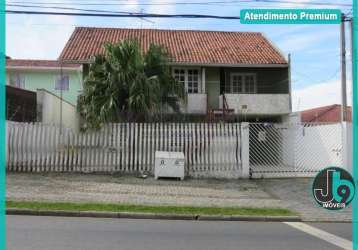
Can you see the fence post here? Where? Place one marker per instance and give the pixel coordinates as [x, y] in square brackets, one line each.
[245, 149]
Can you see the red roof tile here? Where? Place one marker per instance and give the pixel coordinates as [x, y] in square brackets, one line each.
[186, 46]
[330, 113]
[38, 64]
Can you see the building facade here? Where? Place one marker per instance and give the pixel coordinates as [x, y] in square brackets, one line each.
[237, 74]
[60, 79]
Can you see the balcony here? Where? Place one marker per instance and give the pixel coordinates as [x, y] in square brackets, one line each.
[196, 104]
[257, 104]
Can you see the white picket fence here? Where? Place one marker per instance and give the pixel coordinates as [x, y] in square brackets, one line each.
[224, 150]
[211, 149]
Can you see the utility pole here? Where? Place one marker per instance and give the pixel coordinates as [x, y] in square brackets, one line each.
[347, 161]
[289, 80]
[61, 95]
[343, 71]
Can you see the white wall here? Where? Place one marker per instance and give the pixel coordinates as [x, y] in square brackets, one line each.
[49, 106]
[294, 117]
[306, 149]
[258, 104]
[287, 135]
[319, 146]
[196, 104]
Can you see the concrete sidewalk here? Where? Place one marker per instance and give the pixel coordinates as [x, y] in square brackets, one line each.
[132, 190]
[293, 194]
[297, 195]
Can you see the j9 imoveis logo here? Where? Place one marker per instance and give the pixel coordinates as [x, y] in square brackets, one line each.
[333, 188]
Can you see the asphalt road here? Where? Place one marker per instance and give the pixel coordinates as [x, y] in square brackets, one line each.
[60, 233]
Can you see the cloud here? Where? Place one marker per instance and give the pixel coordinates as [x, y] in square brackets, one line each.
[293, 4]
[43, 37]
[321, 94]
[38, 38]
[306, 4]
[160, 9]
[288, 30]
[303, 40]
[131, 5]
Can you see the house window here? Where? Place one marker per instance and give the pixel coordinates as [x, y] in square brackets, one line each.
[236, 84]
[193, 81]
[17, 80]
[179, 75]
[241, 83]
[250, 85]
[189, 77]
[62, 83]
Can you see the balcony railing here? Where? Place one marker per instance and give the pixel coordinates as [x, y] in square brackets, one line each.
[196, 104]
[258, 104]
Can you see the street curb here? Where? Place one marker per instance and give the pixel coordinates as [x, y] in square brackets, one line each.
[326, 221]
[128, 215]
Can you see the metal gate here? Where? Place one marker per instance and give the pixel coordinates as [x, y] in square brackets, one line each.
[286, 150]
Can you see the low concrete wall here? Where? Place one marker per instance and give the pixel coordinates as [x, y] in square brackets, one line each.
[258, 104]
[319, 146]
[49, 110]
[196, 104]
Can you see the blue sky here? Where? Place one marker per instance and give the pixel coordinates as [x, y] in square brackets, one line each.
[314, 48]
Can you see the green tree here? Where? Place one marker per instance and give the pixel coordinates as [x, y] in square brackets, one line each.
[126, 84]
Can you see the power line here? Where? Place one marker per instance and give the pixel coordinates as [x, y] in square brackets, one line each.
[232, 2]
[24, 12]
[304, 3]
[68, 8]
[97, 13]
[136, 4]
[327, 79]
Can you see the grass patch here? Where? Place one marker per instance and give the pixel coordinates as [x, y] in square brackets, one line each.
[150, 209]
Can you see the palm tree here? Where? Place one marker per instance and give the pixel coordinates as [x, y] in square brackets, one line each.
[127, 84]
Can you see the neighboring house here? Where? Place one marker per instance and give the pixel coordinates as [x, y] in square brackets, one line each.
[45, 74]
[41, 106]
[51, 110]
[20, 105]
[238, 73]
[331, 113]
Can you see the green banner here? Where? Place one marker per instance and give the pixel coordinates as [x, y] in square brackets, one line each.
[290, 16]
[355, 119]
[2, 125]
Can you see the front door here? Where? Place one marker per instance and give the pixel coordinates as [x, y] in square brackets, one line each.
[213, 92]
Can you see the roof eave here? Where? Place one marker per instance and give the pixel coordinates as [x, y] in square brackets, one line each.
[74, 61]
[43, 68]
[236, 65]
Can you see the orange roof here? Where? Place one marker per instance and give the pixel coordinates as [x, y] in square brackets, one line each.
[38, 64]
[186, 46]
[331, 113]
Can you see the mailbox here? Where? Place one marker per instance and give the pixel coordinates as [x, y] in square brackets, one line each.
[169, 164]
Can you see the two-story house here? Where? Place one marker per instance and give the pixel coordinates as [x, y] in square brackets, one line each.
[43, 90]
[60, 79]
[241, 74]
